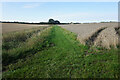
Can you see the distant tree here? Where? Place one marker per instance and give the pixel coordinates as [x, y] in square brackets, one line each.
[57, 22]
[51, 21]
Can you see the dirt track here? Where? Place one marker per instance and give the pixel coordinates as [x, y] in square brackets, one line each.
[100, 34]
[9, 27]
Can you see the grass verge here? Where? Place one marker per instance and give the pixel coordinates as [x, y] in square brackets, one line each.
[33, 44]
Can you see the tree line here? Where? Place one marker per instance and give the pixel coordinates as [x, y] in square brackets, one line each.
[50, 21]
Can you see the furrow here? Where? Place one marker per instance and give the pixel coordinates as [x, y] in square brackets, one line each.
[92, 38]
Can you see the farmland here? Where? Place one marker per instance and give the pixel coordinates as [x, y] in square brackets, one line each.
[9, 27]
[55, 52]
[98, 34]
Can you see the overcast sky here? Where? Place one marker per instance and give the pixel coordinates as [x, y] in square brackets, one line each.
[62, 11]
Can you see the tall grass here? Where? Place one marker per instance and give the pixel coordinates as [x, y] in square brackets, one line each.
[13, 39]
[20, 44]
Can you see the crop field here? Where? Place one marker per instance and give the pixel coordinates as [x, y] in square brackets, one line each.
[99, 34]
[9, 27]
[56, 52]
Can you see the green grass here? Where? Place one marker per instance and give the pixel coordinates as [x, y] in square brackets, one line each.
[19, 44]
[65, 57]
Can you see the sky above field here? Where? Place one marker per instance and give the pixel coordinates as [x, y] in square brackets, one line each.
[62, 11]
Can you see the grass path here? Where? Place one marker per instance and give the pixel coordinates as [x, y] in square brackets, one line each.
[66, 59]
